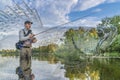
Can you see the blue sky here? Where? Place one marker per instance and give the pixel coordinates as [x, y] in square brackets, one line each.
[100, 11]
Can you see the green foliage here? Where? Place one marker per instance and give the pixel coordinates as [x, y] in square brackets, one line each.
[113, 20]
[115, 47]
[68, 55]
[5, 53]
[108, 71]
[46, 49]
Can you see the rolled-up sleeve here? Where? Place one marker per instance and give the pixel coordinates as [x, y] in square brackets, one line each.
[22, 37]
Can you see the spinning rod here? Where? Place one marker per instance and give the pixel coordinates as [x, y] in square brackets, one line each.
[65, 23]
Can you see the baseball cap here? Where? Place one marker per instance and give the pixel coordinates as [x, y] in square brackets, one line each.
[27, 22]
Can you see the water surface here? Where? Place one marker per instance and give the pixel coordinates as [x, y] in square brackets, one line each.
[43, 70]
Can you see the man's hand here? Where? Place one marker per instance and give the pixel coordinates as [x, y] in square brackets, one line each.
[31, 35]
[34, 40]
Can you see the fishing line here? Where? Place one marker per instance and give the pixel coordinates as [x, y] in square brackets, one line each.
[65, 23]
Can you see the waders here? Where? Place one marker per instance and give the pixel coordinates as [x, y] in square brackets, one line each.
[24, 70]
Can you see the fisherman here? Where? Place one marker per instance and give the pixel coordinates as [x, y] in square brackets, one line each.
[27, 37]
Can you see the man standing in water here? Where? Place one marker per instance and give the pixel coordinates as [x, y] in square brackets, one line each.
[27, 37]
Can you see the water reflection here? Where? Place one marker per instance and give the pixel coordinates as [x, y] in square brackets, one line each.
[42, 70]
[94, 69]
[87, 69]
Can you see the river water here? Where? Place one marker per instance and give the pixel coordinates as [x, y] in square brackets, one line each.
[42, 70]
[88, 69]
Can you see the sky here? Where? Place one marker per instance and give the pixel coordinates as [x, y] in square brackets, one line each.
[56, 12]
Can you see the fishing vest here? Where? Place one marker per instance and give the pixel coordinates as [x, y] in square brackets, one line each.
[27, 43]
[20, 44]
[26, 34]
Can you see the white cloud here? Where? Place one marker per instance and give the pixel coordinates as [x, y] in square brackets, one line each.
[3, 3]
[86, 4]
[54, 11]
[87, 22]
[90, 21]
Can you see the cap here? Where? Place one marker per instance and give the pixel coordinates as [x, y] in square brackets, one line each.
[27, 22]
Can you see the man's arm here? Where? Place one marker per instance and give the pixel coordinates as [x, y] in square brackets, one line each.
[22, 37]
[34, 40]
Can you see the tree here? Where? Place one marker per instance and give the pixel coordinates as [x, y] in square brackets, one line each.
[116, 22]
